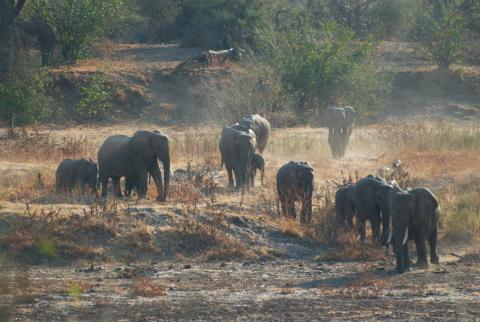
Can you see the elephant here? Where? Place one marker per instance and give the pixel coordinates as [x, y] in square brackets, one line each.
[43, 35]
[124, 156]
[340, 122]
[344, 207]
[260, 126]
[415, 216]
[370, 197]
[237, 149]
[295, 182]
[257, 163]
[73, 174]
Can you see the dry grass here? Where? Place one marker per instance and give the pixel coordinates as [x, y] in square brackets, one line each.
[148, 287]
[460, 208]
[52, 234]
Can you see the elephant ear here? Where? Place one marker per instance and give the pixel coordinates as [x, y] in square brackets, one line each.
[141, 144]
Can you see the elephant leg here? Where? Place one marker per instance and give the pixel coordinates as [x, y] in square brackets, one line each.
[104, 182]
[306, 216]
[116, 187]
[157, 178]
[283, 202]
[432, 241]
[230, 177]
[375, 230]
[141, 184]
[291, 206]
[361, 229]
[421, 245]
[406, 258]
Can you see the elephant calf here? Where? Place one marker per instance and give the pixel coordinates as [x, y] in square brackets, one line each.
[76, 174]
[295, 183]
[258, 163]
[344, 207]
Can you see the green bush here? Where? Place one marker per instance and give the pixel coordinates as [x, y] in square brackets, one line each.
[27, 100]
[95, 102]
[78, 23]
[441, 29]
[316, 69]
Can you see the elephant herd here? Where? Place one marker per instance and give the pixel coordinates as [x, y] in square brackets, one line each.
[395, 216]
[400, 215]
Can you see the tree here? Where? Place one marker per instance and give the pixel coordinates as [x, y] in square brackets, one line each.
[441, 30]
[78, 22]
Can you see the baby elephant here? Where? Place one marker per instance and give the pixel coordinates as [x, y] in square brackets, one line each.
[295, 183]
[72, 174]
[133, 182]
[258, 163]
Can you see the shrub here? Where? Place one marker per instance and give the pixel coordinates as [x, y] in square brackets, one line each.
[95, 102]
[316, 73]
[78, 23]
[219, 23]
[440, 28]
[25, 100]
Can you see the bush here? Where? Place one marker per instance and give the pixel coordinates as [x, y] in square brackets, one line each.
[95, 102]
[441, 29]
[26, 100]
[316, 73]
[219, 23]
[78, 23]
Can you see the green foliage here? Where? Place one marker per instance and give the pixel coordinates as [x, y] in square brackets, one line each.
[27, 100]
[441, 30]
[78, 23]
[95, 102]
[219, 23]
[317, 69]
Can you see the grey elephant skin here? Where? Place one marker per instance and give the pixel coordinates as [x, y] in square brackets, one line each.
[76, 174]
[340, 121]
[237, 149]
[260, 126]
[43, 35]
[344, 207]
[133, 182]
[136, 156]
[415, 216]
[257, 163]
[371, 197]
[295, 182]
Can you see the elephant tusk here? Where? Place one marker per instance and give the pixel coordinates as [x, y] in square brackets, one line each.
[390, 237]
[405, 238]
[381, 214]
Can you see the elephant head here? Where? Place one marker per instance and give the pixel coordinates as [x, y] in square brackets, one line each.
[303, 178]
[150, 146]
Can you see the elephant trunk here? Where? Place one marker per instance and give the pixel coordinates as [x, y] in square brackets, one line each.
[400, 247]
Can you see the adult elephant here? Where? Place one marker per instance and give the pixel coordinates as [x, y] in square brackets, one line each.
[344, 207]
[371, 201]
[415, 216]
[260, 126]
[136, 156]
[340, 122]
[237, 149]
[43, 35]
[295, 182]
[72, 174]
